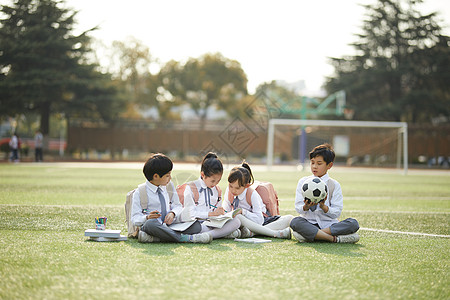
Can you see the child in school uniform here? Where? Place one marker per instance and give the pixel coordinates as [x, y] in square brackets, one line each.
[161, 210]
[251, 216]
[319, 222]
[209, 201]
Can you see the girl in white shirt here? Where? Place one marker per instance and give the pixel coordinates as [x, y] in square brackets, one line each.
[203, 197]
[251, 215]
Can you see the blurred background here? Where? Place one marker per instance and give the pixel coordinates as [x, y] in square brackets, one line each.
[114, 81]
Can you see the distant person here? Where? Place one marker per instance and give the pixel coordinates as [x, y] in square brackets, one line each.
[319, 222]
[14, 146]
[38, 143]
[251, 215]
[203, 197]
[161, 209]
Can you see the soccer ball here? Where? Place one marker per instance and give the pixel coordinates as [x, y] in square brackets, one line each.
[314, 189]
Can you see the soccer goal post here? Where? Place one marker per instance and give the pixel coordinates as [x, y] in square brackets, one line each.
[382, 142]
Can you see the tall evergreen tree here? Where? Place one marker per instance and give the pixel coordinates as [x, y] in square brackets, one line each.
[401, 69]
[43, 66]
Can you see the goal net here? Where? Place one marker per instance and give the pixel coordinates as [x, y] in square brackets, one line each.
[356, 143]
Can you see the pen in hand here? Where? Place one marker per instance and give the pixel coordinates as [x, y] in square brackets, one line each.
[217, 207]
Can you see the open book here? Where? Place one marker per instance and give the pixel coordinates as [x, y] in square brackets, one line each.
[219, 221]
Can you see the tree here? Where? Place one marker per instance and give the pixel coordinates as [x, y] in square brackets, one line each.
[400, 72]
[280, 97]
[202, 82]
[130, 62]
[44, 67]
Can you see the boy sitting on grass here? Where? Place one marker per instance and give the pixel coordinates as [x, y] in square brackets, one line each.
[320, 221]
[161, 210]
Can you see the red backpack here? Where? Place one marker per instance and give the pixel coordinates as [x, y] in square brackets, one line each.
[268, 195]
[182, 187]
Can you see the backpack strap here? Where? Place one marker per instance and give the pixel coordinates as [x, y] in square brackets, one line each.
[219, 192]
[170, 190]
[194, 191]
[248, 195]
[330, 185]
[143, 195]
[144, 205]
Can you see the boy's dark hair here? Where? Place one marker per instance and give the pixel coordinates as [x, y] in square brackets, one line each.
[324, 150]
[243, 174]
[211, 165]
[157, 164]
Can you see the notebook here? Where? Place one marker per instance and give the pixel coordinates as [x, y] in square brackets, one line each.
[106, 239]
[108, 233]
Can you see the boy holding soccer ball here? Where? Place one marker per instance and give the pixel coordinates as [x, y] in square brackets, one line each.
[319, 215]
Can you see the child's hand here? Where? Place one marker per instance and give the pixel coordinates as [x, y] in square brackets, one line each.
[153, 215]
[323, 206]
[308, 204]
[217, 212]
[169, 218]
[237, 212]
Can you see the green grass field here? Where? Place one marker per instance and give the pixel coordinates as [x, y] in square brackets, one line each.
[45, 208]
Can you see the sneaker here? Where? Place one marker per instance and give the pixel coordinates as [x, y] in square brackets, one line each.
[348, 238]
[246, 233]
[146, 238]
[285, 233]
[202, 238]
[298, 237]
[234, 235]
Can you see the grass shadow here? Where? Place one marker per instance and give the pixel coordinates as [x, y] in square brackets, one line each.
[154, 249]
[349, 250]
[167, 249]
[220, 245]
[244, 245]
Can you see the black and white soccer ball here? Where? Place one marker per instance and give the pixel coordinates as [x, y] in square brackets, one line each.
[314, 189]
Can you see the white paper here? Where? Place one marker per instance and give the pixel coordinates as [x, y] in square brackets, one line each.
[253, 240]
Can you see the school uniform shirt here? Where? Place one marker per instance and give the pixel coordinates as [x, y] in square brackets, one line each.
[318, 216]
[14, 142]
[138, 217]
[201, 209]
[254, 212]
[38, 140]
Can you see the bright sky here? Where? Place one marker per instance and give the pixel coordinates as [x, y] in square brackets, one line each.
[273, 40]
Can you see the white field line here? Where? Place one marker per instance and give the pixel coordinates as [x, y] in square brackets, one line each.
[256, 167]
[362, 198]
[388, 212]
[397, 212]
[404, 232]
[65, 206]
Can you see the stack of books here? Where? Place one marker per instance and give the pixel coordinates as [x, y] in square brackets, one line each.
[107, 235]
